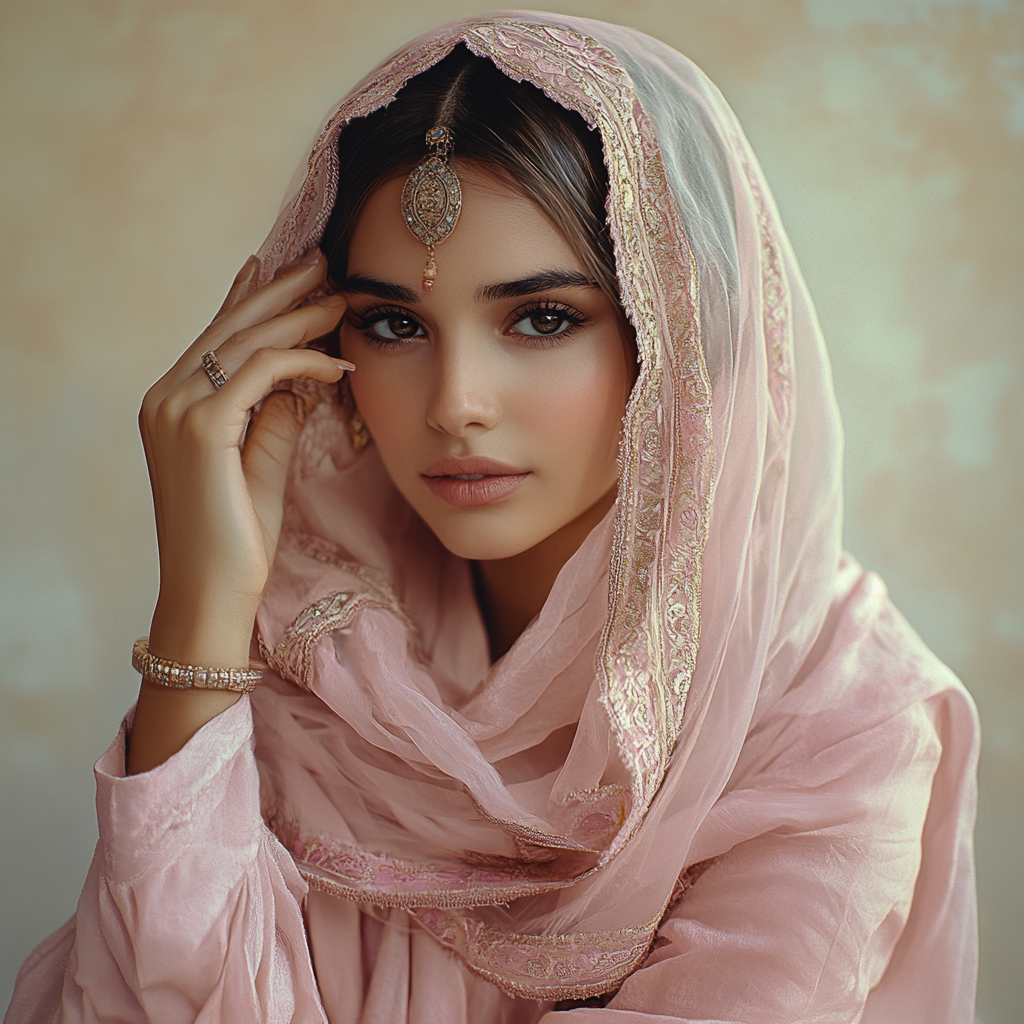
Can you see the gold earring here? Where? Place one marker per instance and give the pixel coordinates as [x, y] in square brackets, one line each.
[432, 199]
[357, 431]
[358, 434]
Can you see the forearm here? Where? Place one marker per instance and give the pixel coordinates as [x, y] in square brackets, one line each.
[214, 634]
[165, 720]
[218, 509]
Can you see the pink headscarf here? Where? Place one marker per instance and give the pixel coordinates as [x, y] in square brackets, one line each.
[708, 670]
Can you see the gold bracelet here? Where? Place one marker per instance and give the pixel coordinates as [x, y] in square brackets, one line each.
[187, 677]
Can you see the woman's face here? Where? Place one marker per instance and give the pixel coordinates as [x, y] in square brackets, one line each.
[496, 399]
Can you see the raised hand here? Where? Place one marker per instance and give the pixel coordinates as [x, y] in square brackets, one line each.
[218, 509]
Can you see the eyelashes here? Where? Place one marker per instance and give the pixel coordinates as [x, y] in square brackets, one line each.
[535, 324]
[547, 320]
[399, 324]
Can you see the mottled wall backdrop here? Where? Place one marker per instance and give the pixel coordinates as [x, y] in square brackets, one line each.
[146, 147]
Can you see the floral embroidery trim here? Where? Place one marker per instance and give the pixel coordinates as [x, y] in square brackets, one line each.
[647, 655]
[777, 319]
[292, 657]
[682, 886]
[353, 873]
[649, 644]
[578, 965]
[472, 896]
[572, 966]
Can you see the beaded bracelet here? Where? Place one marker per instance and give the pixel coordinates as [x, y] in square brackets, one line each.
[187, 677]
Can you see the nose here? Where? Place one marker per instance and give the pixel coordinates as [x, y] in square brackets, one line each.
[464, 397]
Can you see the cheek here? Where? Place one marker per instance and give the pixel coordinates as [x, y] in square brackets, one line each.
[389, 400]
[561, 410]
[574, 410]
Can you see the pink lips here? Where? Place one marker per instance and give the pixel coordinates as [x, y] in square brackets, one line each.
[472, 481]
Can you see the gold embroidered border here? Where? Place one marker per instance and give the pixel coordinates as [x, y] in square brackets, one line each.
[578, 965]
[649, 644]
[572, 966]
[455, 899]
[354, 873]
[776, 304]
[292, 657]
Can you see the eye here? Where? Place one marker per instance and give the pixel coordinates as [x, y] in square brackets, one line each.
[383, 324]
[395, 328]
[542, 323]
[546, 321]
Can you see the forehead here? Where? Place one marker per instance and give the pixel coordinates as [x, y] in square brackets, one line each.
[501, 236]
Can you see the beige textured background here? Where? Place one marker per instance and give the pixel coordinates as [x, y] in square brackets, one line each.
[146, 146]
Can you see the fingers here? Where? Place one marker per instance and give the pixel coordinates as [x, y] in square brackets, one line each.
[258, 374]
[241, 286]
[283, 332]
[269, 444]
[279, 296]
[288, 330]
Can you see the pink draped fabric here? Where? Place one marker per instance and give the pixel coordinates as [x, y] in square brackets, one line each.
[718, 779]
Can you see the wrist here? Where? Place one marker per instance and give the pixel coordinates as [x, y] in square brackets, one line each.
[212, 631]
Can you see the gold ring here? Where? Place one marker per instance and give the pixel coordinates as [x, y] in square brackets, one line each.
[211, 364]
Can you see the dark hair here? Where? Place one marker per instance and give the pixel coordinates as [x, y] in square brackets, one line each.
[538, 148]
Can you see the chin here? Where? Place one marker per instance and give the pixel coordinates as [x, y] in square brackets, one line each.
[480, 541]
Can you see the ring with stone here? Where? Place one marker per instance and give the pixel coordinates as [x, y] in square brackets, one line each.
[211, 364]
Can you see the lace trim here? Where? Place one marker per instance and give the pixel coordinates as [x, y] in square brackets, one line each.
[649, 644]
[776, 303]
[353, 873]
[574, 966]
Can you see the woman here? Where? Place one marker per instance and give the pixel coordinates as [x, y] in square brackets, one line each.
[571, 702]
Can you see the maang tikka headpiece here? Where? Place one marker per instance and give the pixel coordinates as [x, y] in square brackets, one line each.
[432, 199]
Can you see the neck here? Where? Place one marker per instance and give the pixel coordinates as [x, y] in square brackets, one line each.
[511, 591]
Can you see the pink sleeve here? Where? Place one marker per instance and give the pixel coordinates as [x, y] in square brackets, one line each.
[191, 910]
[847, 905]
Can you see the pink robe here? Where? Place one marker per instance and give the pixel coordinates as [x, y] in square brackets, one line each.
[193, 911]
[711, 692]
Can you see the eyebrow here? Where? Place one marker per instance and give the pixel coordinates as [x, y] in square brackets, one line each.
[535, 283]
[361, 284]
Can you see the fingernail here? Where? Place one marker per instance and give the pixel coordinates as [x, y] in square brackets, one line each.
[345, 364]
[311, 256]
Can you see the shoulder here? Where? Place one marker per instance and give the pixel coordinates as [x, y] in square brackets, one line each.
[867, 681]
[854, 743]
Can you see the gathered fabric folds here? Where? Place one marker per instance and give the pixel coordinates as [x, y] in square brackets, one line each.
[717, 779]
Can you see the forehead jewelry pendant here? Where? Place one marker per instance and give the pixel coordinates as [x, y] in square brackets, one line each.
[432, 199]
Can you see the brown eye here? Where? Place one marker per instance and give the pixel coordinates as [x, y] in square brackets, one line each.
[542, 324]
[548, 323]
[396, 328]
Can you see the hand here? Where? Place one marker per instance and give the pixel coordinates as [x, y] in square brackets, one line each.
[219, 509]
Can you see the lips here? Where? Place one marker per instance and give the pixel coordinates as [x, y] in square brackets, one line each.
[473, 481]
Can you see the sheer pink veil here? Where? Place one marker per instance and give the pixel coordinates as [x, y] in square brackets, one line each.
[536, 816]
